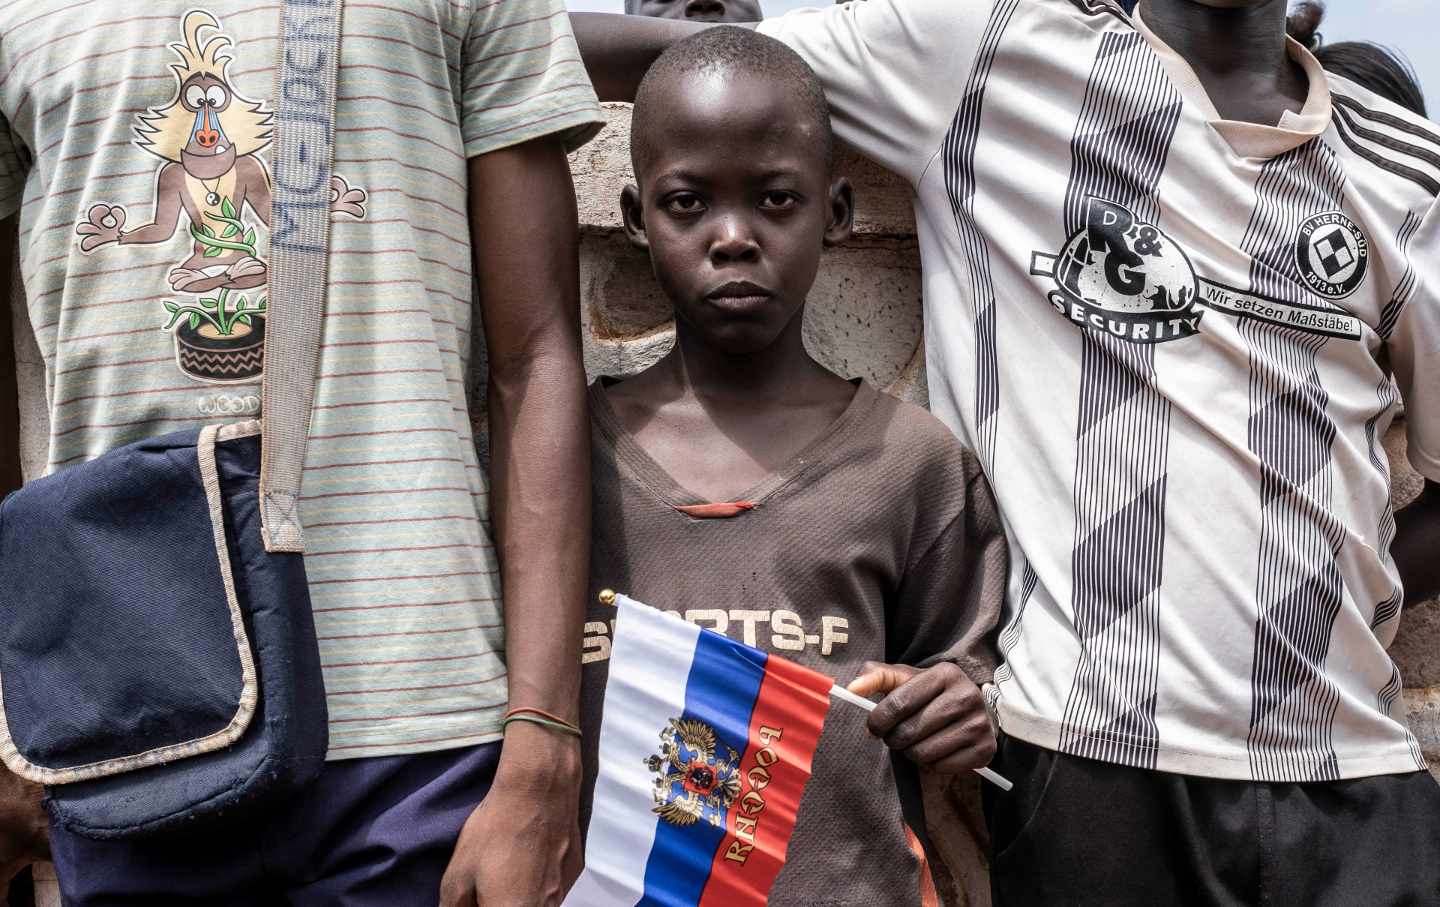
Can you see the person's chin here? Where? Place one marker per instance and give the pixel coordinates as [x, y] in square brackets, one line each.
[740, 339]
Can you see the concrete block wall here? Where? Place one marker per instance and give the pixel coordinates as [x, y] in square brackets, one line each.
[864, 319]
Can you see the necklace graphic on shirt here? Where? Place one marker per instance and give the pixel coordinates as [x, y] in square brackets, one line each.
[209, 137]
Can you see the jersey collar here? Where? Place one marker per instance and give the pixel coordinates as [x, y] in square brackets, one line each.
[1251, 139]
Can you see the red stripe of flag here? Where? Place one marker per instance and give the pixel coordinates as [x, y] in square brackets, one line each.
[784, 731]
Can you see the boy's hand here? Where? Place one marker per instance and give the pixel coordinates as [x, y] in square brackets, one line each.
[936, 716]
[521, 847]
[24, 829]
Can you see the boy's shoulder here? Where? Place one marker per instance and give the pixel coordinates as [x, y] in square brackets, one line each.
[913, 423]
[914, 440]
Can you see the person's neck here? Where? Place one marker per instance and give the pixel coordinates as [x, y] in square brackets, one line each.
[1239, 55]
[780, 372]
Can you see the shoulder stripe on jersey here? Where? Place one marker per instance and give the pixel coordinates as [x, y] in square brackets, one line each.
[1388, 119]
[1344, 125]
[1390, 142]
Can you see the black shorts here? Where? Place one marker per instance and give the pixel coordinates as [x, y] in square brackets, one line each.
[1079, 832]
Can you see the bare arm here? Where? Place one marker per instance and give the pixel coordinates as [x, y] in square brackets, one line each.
[1417, 545]
[522, 845]
[522, 209]
[619, 49]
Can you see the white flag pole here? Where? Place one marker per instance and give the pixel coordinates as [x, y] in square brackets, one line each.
[845, 695]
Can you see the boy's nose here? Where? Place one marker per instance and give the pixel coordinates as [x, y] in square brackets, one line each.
[734, 245]
[696, 9]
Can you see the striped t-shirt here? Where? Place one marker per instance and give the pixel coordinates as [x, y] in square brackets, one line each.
[1171, 338]
[134, 141]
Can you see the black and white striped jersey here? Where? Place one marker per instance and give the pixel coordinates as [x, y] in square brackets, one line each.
[1171, 339]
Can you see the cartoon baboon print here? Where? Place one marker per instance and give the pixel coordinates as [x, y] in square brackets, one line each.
[209, 138]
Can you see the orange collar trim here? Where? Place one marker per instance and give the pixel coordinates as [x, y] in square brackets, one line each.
[716, 511]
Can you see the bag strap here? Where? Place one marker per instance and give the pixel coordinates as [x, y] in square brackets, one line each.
[301, 161]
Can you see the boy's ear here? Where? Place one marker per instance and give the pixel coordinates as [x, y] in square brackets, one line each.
[632, 212]
[842, 213]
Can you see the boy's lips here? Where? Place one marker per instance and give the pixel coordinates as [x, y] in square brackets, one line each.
[739, 294]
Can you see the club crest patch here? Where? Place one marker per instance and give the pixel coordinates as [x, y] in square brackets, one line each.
[1121, 276]
[698, 777]
[1333, 255]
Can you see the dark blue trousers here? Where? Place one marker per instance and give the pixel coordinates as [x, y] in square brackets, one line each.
[369, 833]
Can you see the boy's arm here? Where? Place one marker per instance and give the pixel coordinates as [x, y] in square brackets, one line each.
[522, 846]
[524, 100]
[944, 620]
[893, 70]
[618, 49]
[23, 827]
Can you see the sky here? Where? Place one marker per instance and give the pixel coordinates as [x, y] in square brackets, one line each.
[1410, 26]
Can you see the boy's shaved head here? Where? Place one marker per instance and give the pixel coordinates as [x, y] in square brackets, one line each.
[726, 51]
[734, 197]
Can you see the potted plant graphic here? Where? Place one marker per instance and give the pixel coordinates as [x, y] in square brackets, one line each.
[221, 338]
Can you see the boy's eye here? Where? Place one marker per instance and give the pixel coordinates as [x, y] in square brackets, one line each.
[778, 201]
[684, 203]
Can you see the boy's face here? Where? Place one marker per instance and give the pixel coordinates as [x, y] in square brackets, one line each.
[734, 204]
[698, 10]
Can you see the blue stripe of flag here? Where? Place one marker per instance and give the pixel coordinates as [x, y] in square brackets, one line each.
[724, 683]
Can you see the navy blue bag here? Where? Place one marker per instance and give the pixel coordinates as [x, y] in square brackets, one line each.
[158, 661]
[158, 666]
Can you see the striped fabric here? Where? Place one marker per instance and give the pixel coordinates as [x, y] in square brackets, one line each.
[134, 142]
[1176, 342]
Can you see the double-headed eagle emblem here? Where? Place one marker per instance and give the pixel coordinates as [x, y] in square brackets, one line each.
[699, 778]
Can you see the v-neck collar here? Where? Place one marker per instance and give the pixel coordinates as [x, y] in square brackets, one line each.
[663, 485]
[1252, 140]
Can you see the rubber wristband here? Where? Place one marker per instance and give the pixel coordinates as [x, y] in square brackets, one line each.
[550, 716]
[543, 722]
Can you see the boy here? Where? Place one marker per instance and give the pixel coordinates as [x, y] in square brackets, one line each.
[697, 10]
[1171, 269]
[768, 498]
[123, 133]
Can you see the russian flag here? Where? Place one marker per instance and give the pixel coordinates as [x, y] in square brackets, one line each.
[705, 749]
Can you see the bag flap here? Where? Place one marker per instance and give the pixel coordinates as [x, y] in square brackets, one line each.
[122, 640]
